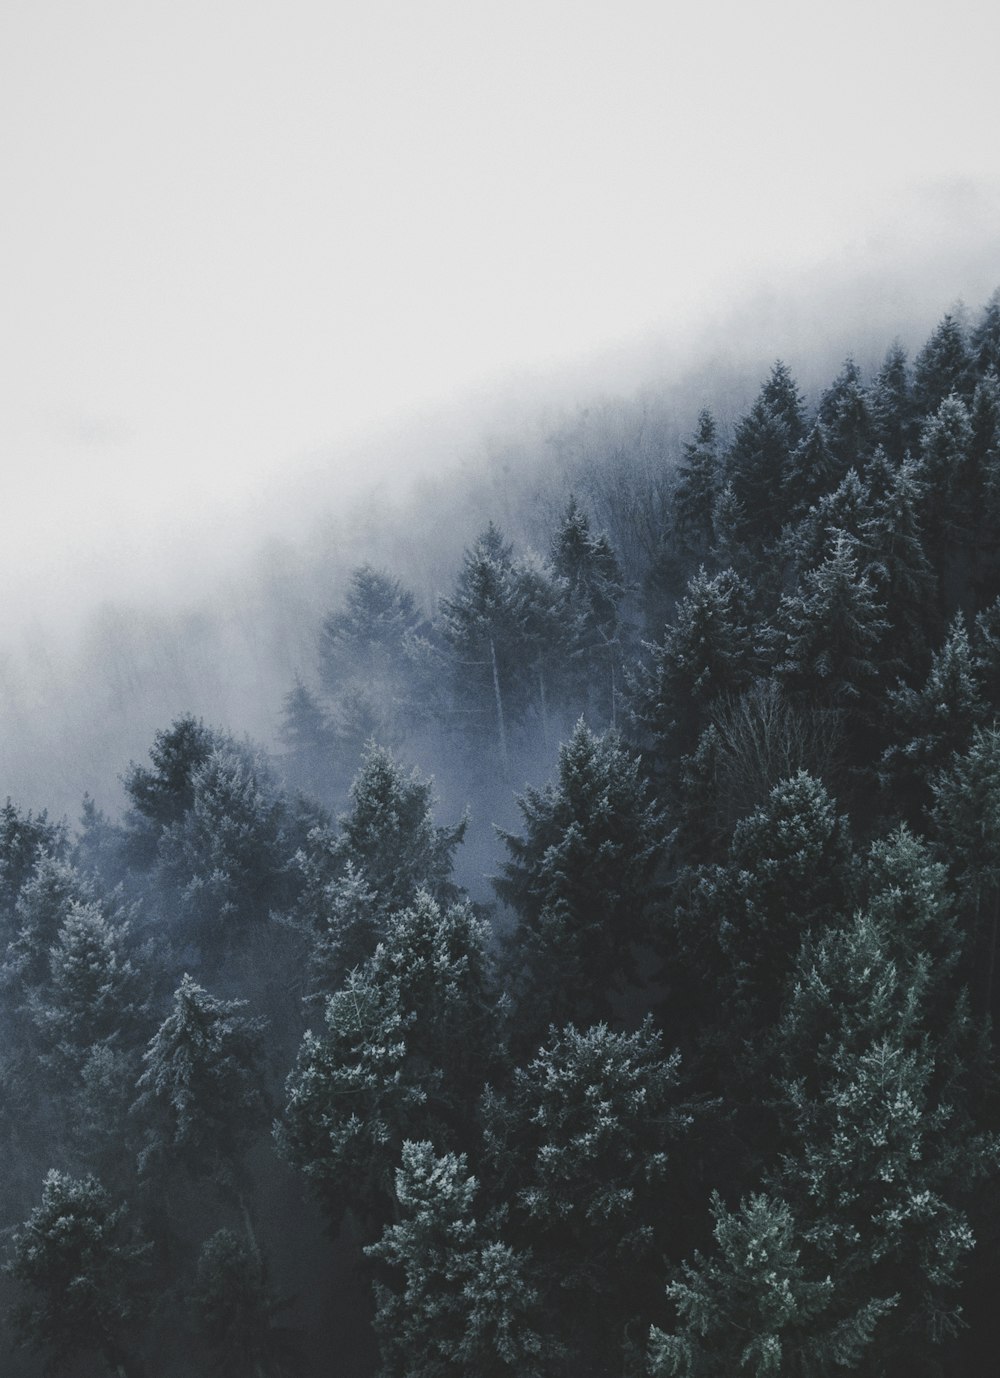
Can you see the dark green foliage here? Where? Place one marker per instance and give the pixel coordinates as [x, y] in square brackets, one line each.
[465, 1302]
[582, 1150]
[82, 1276]
[235, 1312]
[845, 411]
[581, 880]
[201, 1096]
[697, 490]
[829, 636]
[707, 652]
[764, 441]
[758, 1307]
[892, 407]
[942, 366]
[408, 1040]
[387, 850]
[875, 1158]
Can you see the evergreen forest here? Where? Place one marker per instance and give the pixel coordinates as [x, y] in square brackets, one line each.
[598, 977]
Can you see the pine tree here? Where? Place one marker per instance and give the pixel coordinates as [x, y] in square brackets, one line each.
[759, 457]
[830, 632]
[697, 490]
[594, 588]
[812, 470]
[932, 722]
[708, 652]
[891, 404]
[202, 1095]
[310, 740]
[82, 1275]
[162, 795]
[236, 1312]
[466, 1303]
[966, 815]
[408, 1041]
[24, 837]
[984, 341]
[581, 880]
[94, 994]
[758, 1307]
[583, 1150]
[368, 634]
[892, 548]
[875, 1159]
[942, 366]
[845, 413]
[481, 624]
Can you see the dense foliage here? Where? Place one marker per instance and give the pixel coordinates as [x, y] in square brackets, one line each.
[705, 1083]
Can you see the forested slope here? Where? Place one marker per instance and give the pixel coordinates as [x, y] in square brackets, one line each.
[702, 1083]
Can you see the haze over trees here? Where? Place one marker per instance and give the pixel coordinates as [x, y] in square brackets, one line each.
[685, 1067]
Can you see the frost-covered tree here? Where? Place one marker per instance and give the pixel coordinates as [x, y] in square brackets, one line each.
[407, 1042]
[581, 879]
[891, 404]
[875, 1159]
[583, 1150]
[942, 366]
[236, 1312]
[706, 653]
[79, 1271]
[201, 1096]
[761, 1304]
[386, 850]
[463, 1300]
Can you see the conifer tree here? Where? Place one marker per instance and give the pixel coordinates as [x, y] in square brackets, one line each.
[845, 413]
[758, 459]
[874, 1157]
[594, 588]
[368, 635]
[466, 1303]
[966, 815]
[201, 1095]
[707, 652]
[583, 1150]
[812, 470]
[81, 1273]
[581, 880]
[387, 849]
[408, 1041]
[236, 1312]
[891, 404]
[757, 1306]
[942, 366]
[697, 489]
[932, 722]
[829, 633]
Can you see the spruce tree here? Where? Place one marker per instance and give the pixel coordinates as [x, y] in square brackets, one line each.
[80, 1272]
[581, 879]
[463, 1301]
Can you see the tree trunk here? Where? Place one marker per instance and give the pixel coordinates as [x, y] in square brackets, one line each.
[501, 726]
[543, 705]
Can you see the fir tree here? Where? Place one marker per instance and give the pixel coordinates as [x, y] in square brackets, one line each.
[581, 879]
[202, 1094]
[408, 1040]
[82, 1275]
[758, 1307]
[891, 404]
[465, 1301]
[697, 490]
[236, 1312]
[942, 366]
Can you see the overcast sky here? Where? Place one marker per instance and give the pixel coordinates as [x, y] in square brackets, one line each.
[235, 231]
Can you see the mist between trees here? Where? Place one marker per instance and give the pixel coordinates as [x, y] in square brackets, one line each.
[654, 1035]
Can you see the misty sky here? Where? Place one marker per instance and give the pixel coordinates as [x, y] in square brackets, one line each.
[235, 231]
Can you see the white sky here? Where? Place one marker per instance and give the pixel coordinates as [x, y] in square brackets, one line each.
[235, 230]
